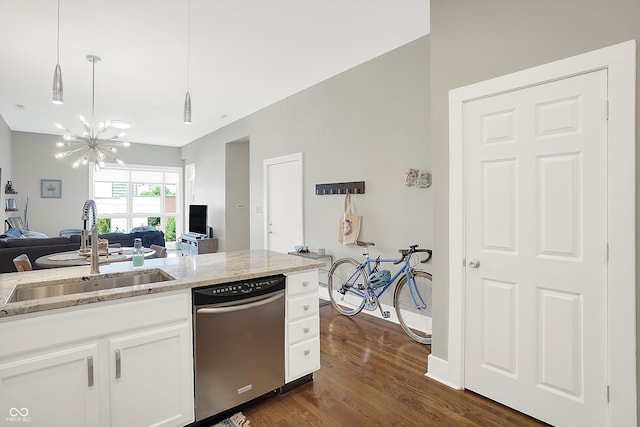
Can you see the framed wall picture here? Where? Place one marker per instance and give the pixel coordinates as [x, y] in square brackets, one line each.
[51, 188]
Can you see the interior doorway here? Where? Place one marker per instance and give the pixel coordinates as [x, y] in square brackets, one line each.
[619, 63]
[283, 203]
[237, 191]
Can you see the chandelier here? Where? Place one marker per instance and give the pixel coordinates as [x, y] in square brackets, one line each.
[89, 146]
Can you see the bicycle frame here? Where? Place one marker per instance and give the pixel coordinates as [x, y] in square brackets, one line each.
[406, 270]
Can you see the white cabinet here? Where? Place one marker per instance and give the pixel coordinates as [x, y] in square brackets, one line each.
[150, 384]
[193, 246]
[51, 388]
[302, 355]
[118, 363]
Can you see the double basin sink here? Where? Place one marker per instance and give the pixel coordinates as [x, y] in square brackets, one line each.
[98, 282]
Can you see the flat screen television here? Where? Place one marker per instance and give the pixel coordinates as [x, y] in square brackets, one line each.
[198, 219]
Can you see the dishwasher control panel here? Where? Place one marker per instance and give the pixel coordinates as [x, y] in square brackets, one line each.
[237, 290]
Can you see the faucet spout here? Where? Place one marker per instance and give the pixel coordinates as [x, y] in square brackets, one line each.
[89, 211]
[89, 207]
[95, 266]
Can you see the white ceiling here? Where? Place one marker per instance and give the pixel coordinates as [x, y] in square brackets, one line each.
[245, 55]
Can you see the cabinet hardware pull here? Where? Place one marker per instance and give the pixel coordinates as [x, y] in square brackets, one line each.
[118, 364]
[306, 330]
[306, 307]
[90, 371]
[305, 283]
[307, 352]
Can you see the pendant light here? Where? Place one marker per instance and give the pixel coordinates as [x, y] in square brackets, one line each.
[90, 145]
[58, 95]
[187, 98]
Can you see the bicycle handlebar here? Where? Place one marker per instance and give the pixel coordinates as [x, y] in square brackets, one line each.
[413, 249]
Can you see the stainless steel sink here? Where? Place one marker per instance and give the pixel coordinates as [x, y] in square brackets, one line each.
[54, 288]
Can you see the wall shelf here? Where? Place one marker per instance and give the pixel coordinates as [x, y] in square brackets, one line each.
[356, 187]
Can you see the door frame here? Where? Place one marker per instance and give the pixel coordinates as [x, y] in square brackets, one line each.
[296, 158]
[620, 62]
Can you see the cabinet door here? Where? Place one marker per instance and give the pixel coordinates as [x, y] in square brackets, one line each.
[55, 388]
[152, 377]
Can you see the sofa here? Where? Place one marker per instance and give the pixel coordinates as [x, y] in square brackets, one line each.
[14, 243]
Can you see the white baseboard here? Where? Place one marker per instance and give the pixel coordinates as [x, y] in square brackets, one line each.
[438, 370]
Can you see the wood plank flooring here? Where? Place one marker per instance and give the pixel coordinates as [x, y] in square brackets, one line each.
[372, 374]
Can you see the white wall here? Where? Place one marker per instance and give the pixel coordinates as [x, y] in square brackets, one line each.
[369, 124]
[32, 159]
[5, 164]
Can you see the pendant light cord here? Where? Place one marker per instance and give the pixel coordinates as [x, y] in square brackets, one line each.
[188, 42]
[93, 87]
[58, 35]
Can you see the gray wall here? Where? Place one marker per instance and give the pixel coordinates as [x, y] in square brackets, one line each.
[370, 123]
[475, 40]
[32, 159]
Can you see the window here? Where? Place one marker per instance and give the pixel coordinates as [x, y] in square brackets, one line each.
[129, 196]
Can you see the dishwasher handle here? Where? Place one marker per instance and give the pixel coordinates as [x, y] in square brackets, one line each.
[239, 307]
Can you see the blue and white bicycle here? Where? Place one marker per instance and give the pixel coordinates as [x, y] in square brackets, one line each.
[356, 285]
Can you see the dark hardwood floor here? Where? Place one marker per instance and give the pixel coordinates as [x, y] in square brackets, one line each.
[373, 375]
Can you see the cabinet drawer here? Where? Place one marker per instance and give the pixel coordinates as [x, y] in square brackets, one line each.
[303, 329]
[304, 358]
[304, 306]
[299, 283]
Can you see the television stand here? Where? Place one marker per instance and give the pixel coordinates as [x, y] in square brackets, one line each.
[194, 235]
[192, 245]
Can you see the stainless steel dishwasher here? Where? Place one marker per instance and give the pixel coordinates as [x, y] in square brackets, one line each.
[238, 343]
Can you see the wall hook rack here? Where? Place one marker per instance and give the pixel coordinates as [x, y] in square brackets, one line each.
[356, 187]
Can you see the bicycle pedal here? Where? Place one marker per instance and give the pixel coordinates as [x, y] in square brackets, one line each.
[386, 314]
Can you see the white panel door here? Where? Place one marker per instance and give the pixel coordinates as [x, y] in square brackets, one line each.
[536, 249]
[283, 203]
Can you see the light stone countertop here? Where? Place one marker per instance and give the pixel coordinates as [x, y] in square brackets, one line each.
[189, 272]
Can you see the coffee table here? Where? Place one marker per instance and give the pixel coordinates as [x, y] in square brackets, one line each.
[73, 258]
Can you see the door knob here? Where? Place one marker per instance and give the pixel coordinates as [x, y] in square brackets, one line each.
[473, 263]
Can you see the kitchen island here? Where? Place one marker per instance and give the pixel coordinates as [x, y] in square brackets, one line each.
[124, 356]
[189, 272]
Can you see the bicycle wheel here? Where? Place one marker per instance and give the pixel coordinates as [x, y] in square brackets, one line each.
[413, 306]
[345, 286]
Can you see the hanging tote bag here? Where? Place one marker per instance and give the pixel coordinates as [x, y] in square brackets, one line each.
[350, 223]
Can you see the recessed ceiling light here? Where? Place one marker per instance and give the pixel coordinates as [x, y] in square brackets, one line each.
[120, 124]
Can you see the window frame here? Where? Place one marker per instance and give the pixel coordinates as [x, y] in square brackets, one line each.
[129, 215]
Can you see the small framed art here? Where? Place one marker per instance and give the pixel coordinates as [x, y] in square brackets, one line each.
[50, 188]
